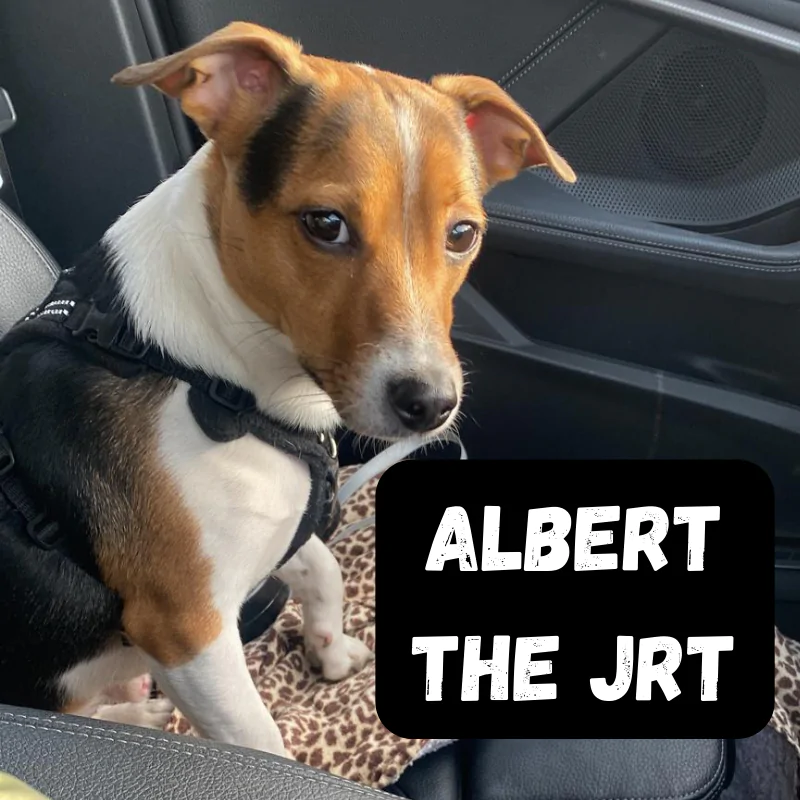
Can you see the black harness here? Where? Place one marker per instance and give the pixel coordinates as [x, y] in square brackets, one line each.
[223, 411]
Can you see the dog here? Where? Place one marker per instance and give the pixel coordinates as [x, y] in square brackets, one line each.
[308, 256]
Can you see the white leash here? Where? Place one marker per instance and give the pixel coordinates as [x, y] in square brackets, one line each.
[378, 464]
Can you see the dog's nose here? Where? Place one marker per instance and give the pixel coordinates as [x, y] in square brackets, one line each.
[420, 406]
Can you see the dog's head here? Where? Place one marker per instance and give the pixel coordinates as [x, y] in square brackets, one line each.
[346, 204]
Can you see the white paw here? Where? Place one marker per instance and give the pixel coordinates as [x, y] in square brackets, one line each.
[155, 713]
[145, 714]
[342, 657]
[134, 691]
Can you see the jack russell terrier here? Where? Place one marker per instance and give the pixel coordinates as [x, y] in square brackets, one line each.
[166, 413]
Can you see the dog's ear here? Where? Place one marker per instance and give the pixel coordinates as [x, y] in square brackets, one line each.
[228, 81]
[506, 138]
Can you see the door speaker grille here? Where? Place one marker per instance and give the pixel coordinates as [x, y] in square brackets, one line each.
[692, 133]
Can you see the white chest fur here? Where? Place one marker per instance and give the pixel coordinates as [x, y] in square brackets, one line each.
[248, 498]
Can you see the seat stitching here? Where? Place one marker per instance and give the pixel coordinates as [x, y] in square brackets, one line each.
[550, 50]
[185, 748]
[547, 41]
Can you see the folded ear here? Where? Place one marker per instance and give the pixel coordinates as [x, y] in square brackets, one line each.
[227, 81]
[506, 138]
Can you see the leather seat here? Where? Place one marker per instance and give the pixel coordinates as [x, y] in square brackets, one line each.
[67, 758]
[27, 270]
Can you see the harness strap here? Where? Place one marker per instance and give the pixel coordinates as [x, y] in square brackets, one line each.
[108, 331]
[222, 410]
[317, 451]
[43, 531]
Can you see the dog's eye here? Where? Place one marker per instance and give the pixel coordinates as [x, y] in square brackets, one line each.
[326, 226]
[462, 237]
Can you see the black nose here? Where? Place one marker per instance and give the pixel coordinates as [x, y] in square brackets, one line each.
[420, 406]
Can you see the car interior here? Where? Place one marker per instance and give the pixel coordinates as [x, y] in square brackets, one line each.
[646, 311]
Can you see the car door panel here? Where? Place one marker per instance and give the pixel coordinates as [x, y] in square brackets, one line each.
[533, 399]
[82, 150]
[417, 38]
[785, 13]
[648, 311]
[772, 24]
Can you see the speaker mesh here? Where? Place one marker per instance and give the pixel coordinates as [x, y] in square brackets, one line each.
[692, 133]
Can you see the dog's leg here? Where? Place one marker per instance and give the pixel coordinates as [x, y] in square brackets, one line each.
[216, 693]
[315, 579]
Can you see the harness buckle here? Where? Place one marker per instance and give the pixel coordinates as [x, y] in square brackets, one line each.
[231, 397]
[107, 330]
[98, 327]
[130, 345]
[44, 532]
[6, 456]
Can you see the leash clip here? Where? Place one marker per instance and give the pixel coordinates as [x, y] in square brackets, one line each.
[327, 439]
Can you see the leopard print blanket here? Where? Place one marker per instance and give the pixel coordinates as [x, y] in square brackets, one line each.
[786, 713]
[334, 726]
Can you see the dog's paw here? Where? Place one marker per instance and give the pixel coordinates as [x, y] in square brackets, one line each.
[157, 712]
[339, 658]
[134, 691]
[145, 713]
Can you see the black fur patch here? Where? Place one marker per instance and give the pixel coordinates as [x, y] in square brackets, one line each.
[56, 612]
[58, 414]
[271, 149]
[334, 128]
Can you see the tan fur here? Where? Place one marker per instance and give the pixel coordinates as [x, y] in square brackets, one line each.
[184, 73]
[332, 304]
[365, 296]
[507, 137]
[146, 533]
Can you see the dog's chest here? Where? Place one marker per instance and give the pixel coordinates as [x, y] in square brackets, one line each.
[247, 497]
